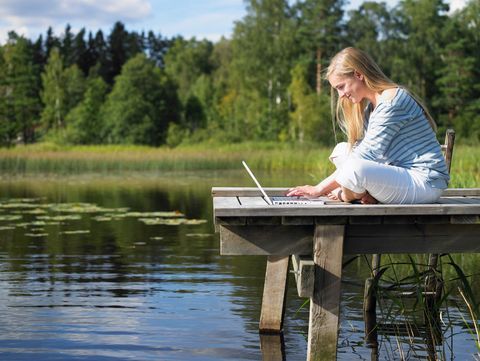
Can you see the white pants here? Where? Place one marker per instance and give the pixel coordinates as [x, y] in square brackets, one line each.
[386, 183]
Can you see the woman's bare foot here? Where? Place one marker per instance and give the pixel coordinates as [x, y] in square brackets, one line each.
[368, 199]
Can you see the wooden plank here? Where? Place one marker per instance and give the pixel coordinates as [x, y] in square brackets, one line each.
[325, 303]
[264, 221]
[366, 220]
[265, 240]
[413, 238]
[459, 200]
[233, 221]
[252, 201]
[464, 219]
[274, 294]
[347, 210]
[279, 191]
[304, 271]
[432, 219]
[359, 239]
[298, 221]
[225, 202]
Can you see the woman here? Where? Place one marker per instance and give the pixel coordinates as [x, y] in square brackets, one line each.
[392, 154]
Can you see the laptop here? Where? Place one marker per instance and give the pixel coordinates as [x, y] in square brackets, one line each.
[279, 200]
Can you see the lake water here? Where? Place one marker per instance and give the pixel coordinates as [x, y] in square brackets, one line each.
[128, 268]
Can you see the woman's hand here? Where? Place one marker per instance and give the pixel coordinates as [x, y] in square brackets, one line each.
[336, 194]
[306, 191]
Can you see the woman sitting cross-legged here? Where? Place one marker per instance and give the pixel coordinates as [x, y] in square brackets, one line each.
[392, 154]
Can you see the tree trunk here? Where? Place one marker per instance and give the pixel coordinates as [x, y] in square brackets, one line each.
[319, 71]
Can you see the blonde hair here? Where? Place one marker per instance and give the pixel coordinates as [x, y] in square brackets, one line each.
[349, 115]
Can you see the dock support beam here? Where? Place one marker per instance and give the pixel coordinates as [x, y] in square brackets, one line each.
[325, 303]
[274, 294]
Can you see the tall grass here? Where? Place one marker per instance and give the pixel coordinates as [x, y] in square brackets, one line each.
[48, 158]
[273, 156]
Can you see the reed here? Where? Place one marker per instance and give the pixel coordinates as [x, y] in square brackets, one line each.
[269, 156]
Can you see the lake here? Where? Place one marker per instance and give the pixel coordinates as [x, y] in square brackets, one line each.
[127, 267]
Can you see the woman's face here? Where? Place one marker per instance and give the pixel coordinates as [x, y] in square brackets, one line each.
[350, 87]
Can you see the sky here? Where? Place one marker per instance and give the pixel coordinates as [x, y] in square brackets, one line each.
[210, 19]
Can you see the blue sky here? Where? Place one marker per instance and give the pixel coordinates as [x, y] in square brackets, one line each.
[209, 19]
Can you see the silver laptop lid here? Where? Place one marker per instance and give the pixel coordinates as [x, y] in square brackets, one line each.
[267, 198]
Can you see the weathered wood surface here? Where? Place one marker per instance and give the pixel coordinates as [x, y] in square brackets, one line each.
[266, 240]
[274, 295]
[254, 192]
[304, 271]
[325, 302]
[359, 239]
[233, 208]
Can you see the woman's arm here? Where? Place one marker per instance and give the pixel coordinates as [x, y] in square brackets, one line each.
[322, 188]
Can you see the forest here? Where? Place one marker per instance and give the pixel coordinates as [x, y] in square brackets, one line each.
[263, 83]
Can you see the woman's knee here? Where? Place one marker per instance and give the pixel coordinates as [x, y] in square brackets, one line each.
[353, 174]
[340, 154]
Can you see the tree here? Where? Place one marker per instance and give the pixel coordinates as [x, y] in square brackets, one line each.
[372, 28]
[21, 88]
[84, 123]
[54, 93]
[263, 49]
[457, 78]
[121, 47]
[142, 103]
[418, 56]
[310, 118]
[319, 31]
[185, 61]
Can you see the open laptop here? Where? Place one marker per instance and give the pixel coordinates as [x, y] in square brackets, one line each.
[281, 200]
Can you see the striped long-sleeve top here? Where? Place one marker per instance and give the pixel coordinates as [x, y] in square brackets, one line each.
[398, 133]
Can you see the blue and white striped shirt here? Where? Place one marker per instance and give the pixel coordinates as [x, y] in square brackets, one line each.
[398, 133]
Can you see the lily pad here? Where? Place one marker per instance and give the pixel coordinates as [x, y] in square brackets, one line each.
[171, 221]
[10, 217]
[36, 234]
[68, 217]
[6, 228]
[102, 219]
[80, 231]
[18, 205]
[166, 214]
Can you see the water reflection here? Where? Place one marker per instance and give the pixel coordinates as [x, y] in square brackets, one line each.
[124, 289]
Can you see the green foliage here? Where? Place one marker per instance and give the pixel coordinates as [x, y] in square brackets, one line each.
[142, 103]
[20, 103]
[85, 124]
[245, 87]
[54, 94]
[310, 119]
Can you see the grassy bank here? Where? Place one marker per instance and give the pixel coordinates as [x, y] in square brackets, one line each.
[48, 158]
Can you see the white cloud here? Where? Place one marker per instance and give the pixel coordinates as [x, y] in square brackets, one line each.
[30, 17]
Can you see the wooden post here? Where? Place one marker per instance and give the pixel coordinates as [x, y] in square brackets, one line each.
[274, 294]
[325, 303]
[370, 303]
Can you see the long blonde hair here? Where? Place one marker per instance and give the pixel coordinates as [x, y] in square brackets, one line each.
[350, 116]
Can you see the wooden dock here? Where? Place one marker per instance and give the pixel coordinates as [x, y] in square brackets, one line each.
[317, 236]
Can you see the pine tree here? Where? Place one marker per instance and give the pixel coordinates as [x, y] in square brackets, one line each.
[21, 81]
[320, 29]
